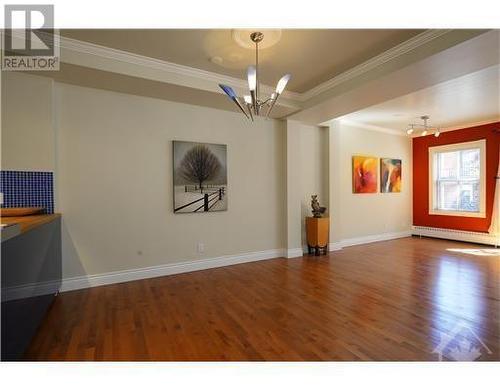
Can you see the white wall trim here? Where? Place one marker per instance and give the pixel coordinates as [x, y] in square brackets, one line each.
[108, 59]
[89, 281]
[388, 55]
[374, 128]
[402, 133]
[153, 63]
[453, 234]
[335, 246]
[82, 282]
[294, 252]
[101, 57]
[339, 245]
[375, 238]
[470, 125]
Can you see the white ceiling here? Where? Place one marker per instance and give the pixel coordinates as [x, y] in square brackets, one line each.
[429, 58]
[470, 99]
[312, 56]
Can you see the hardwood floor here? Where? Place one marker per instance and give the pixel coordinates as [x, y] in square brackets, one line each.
[382, 301]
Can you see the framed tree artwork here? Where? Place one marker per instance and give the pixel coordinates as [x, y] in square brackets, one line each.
[200, 177]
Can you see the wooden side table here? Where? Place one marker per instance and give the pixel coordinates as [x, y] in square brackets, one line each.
[317, 230]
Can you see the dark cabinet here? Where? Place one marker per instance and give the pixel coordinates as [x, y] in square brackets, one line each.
[31, 277]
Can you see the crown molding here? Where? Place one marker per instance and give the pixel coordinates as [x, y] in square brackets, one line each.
[114, 60]
[403, 134]
[470, 125]
[465, 125]
[108, 59]
[148, 62]
[374, 62]
[372, 127]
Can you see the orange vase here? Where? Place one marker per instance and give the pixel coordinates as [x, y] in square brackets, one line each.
[317, 230]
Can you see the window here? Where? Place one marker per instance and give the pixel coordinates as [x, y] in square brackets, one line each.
[457, 176]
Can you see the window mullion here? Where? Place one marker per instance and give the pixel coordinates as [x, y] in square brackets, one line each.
[457, 180]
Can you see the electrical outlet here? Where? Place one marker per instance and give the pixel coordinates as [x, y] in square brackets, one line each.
[200, 248]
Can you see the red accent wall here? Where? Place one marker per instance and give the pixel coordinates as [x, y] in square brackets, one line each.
[421, 216]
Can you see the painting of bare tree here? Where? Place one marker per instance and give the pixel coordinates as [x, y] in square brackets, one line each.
[200, 177]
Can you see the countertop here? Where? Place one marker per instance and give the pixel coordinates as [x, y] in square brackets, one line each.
[27, 223]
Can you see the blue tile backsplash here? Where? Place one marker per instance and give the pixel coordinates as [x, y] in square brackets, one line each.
[28, 188]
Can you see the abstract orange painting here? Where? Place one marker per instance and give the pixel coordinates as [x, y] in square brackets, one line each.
[364, 174]
[390, 175]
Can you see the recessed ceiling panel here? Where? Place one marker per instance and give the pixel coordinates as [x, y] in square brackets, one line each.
[312, 56]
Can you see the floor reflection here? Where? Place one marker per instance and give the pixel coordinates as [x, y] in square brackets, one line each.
[459, 288]
[482, 252]
[458, 300]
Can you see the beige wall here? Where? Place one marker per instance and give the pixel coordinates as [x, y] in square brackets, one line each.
[115, 182]
[313, 170]
[307, 174]
[27, 122]
[111, 153]
[293, 189]
[359, 215]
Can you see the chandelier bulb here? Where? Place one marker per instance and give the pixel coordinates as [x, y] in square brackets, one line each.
[282, 83]
[251, 104]
[252, 78]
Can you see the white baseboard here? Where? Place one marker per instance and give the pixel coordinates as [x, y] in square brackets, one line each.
[453, 234]
[339, 245]
[74, 283]
[335, 246]
[375, 238]
[294, 252]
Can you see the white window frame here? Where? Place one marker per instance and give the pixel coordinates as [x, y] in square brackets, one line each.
[481, 144]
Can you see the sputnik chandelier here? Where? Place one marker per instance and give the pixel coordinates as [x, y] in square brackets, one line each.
[425, 128]
[251, 104]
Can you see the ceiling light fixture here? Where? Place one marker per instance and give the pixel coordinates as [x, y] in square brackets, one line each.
[425, 127]
[251, 104]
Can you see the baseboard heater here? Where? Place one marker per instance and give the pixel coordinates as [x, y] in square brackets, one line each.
[453, 234]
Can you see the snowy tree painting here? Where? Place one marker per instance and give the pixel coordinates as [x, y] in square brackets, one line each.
[200, 177]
